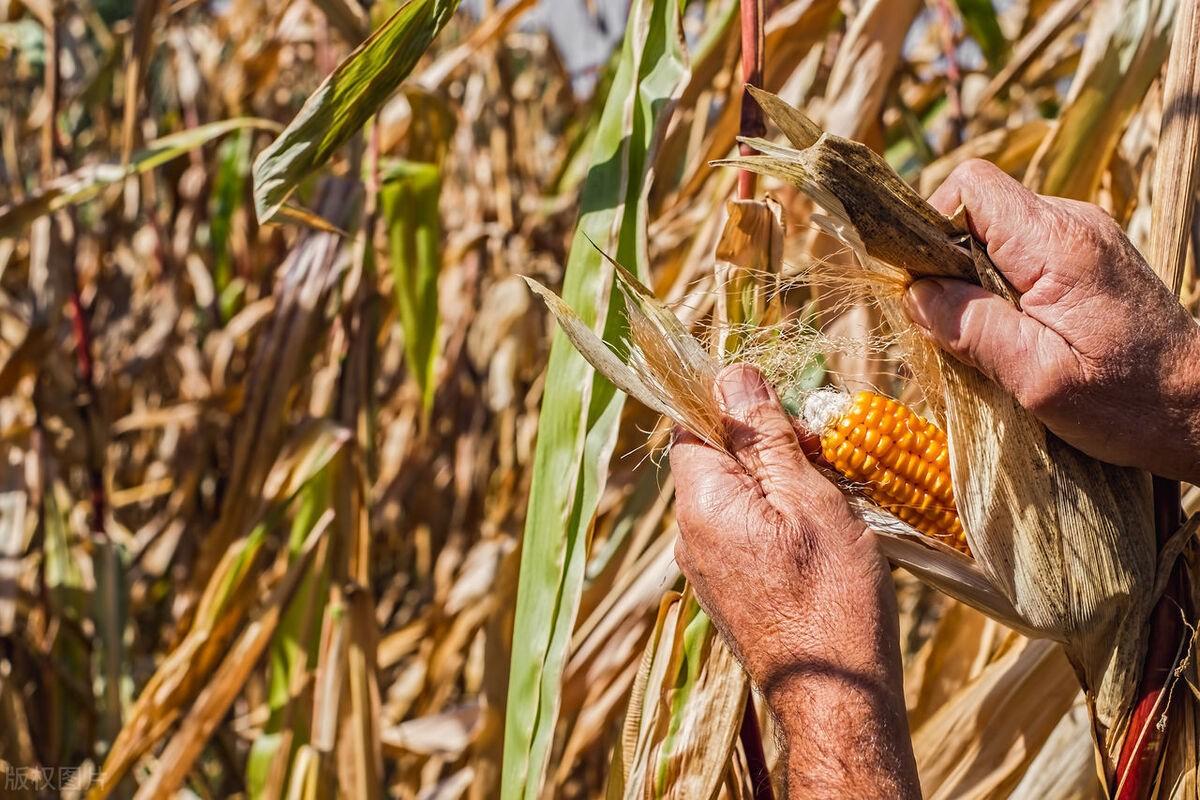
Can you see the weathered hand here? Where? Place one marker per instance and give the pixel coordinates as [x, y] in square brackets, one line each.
[797, 587]
[1099, 349]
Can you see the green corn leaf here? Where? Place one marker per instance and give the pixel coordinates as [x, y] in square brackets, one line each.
[409, 203]
[68, 594]
[110, 613]
[345, 100]
[580, 411]
[292, 654]
[228, 185]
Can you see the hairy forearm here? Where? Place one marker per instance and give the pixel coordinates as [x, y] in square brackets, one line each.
[845, 736]
[839, 705]
[1181, 419]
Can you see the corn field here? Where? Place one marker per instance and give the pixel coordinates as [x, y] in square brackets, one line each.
[305, 493]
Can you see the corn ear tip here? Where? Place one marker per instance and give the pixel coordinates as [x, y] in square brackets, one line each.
[822, 408]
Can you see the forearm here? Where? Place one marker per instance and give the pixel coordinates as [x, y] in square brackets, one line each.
[839, 704]
[845, 735]
[1181, 418]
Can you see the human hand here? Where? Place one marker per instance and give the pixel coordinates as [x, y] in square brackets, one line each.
[796, 585]
[1099, 350]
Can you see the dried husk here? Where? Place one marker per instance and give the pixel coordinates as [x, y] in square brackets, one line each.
[1064, 544]
[1067, 539]
[750, 248]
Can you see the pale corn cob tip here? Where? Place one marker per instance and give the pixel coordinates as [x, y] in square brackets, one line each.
[823, 407]
[899, 458]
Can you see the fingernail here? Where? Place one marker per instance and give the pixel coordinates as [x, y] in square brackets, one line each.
[919, 298]
[742, 386]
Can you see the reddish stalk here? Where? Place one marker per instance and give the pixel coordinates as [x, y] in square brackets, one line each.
[953, 73]
[1143, 747]
[756, 759]
[80, 324]
[752, 124]
[81, 330]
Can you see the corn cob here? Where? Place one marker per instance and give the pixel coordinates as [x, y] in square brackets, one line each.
[899, 458]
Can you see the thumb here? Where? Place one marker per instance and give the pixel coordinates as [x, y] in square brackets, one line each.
[761, 435]
[988, 332]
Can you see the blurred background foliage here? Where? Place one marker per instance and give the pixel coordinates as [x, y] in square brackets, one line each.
[264, 491]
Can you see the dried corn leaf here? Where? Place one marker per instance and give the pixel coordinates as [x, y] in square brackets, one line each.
[86, 182]
[1177, 162]
[749, 259]
[865, 63]
[1065, 767]
[961, 645]
[1010, 149]
[222, 608]
[227, 682]
[1125, 49]
[1050, 23]
[980, 742]
[684, 712]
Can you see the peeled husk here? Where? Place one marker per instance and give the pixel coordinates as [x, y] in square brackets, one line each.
[1064, 544]
[1067, 539]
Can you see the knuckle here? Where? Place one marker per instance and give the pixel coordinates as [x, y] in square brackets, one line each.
[831, 505]
[974, 171]
[1095, 217]
[762, 429]
[1043, 393]
[1088, 229]
[805, 530]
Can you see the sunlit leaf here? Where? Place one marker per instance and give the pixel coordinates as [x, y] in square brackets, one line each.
[1126, 46]
[409, 205]
[580, 411]
[981, 22]
[345, 99]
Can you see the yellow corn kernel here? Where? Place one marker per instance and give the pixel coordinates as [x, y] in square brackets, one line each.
[902, 461]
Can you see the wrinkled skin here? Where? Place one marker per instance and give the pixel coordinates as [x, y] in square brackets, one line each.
[796, 585]
[1099, 350]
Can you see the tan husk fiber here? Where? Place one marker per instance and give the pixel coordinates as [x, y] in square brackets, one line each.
[1064, 544]
[1068, 539]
